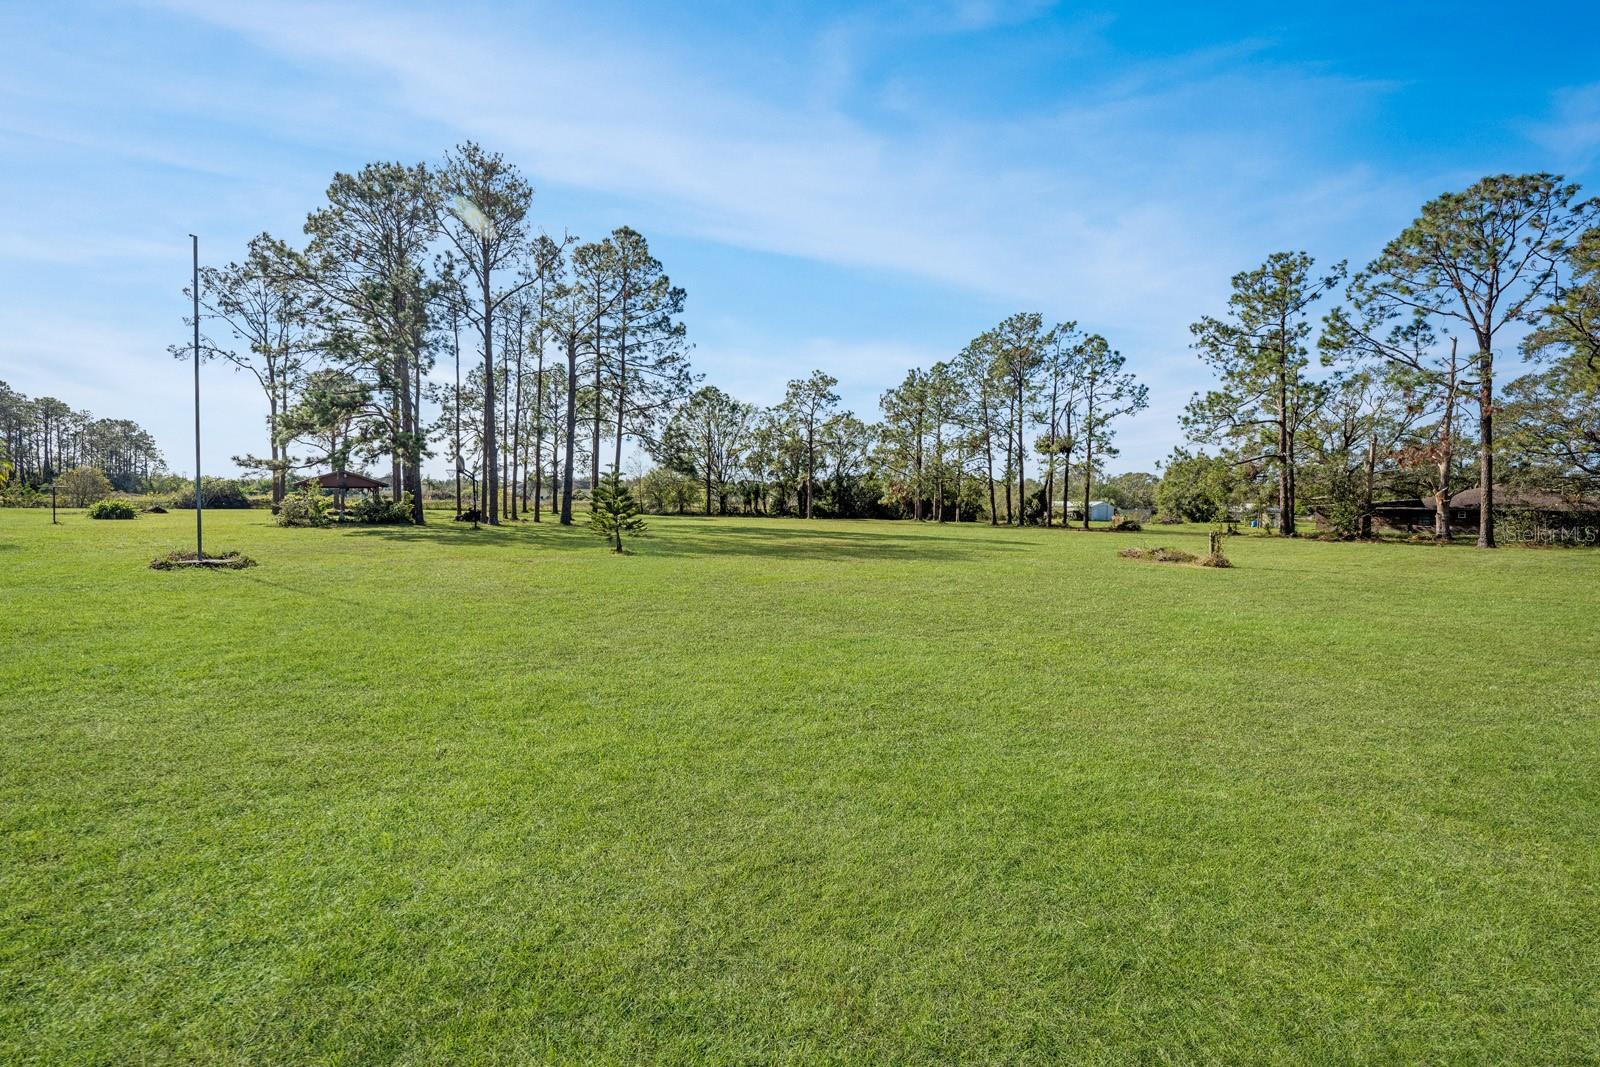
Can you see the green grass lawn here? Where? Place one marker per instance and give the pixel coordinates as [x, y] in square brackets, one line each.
[773, 791]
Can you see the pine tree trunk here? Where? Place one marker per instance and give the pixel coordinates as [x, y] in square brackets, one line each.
[1088, 476]
[399, 416]
[960, 462]
[916, 480]
[994, 507]
[1285, 489]
[572, 429]
[1366, 495]
[277, 471]
[518, 474]
[1022, 458]
[1486, 446]
[594, 454]
[491, 455]
[811, 465]
[622, 378]
[538, 433]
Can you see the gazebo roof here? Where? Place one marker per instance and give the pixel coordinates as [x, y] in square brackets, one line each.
[346, 480]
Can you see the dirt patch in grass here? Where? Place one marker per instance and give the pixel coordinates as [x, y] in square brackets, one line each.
[1159, 555]
[225, 561]
[1163, 554]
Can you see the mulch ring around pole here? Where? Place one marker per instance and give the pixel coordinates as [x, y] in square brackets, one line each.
[225, 561]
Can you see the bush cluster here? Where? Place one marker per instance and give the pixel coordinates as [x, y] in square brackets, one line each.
[219, 493]
[18, 495]
[305, 507]
[112, 509]
[382, 512]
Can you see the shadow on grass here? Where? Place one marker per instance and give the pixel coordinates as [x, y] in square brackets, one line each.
[451, 532]
[725, 537]
[802, 541]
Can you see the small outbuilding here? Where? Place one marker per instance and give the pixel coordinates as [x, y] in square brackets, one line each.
[1099, 510]
[339, 484]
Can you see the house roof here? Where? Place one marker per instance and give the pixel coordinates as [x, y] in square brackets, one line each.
[346, 480]
[1537, 499]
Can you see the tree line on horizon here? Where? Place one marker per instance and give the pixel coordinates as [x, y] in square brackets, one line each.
[42, 438]
[561, 352]
[953, 440]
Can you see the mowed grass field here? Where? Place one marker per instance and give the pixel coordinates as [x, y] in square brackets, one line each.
[785, 792]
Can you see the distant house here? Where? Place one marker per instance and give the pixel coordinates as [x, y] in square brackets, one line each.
[1550, 512]
[1417, 513]
[1541, 500]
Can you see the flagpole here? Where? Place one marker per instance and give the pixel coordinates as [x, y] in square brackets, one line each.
[199, 502]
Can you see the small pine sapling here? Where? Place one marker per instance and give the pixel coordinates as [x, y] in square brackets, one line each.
[613, 511]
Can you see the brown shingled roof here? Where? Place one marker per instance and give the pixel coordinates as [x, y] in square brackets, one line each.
[346, 480]
[1536, 499]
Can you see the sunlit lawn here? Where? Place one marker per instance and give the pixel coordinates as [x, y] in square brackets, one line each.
[773, 791]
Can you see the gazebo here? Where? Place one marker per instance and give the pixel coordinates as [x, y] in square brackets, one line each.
[338, 483]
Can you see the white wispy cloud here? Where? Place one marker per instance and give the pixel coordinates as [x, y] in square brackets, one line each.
[1097, 202]
[1124, 200]
[1571, 132]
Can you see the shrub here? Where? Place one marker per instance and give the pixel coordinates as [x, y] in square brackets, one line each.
[18, 495]
[1123, 525]
[218, 492]
[112, 509]
[304, 507]
[82, 486]
[382, 512]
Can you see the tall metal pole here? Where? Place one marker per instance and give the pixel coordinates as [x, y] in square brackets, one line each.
[199, 501]
[455, 327]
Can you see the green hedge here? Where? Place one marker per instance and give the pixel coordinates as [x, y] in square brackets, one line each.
[112, 509]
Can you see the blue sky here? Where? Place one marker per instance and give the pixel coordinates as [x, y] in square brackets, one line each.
[856, 188]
